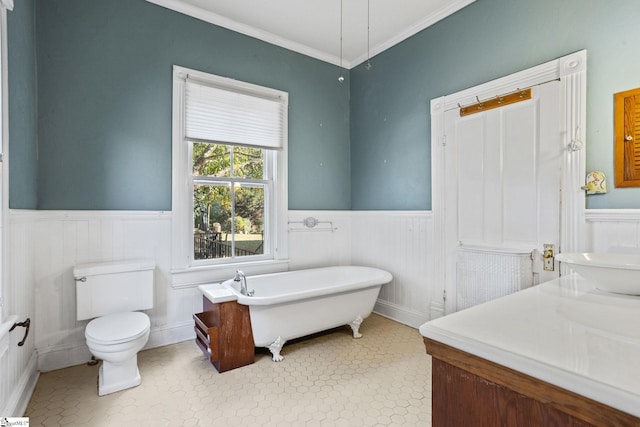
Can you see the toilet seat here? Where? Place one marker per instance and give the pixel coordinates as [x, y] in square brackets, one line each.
[117, 328]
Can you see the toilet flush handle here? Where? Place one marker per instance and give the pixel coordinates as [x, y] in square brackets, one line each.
[80, 279]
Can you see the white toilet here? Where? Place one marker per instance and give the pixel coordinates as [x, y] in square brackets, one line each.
[109, 293]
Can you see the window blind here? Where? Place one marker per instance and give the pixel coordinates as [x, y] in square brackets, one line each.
[233, 117]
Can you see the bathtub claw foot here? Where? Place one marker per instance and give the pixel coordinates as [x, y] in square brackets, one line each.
[275, 348]
[355, 327]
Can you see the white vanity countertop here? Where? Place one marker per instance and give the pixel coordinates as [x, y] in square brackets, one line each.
[216, 293]
[564, 332]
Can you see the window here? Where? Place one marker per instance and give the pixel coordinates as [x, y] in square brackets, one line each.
[229, 182]
[229, 172]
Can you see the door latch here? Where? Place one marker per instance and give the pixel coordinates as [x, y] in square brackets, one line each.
[548, 257]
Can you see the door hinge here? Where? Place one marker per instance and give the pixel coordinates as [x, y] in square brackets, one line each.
[444, 140]
[444, 295]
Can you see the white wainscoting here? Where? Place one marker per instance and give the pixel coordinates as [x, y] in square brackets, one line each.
[612, 230]
[18, 364]
[328, 243]
[402, 243]
[397, 241]
[43, 247]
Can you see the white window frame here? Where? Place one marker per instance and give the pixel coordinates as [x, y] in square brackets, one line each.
[186, 271]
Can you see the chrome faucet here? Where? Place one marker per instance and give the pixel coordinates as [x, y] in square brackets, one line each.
[240, 277]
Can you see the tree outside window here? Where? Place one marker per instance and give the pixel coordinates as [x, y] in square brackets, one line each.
[229, 193]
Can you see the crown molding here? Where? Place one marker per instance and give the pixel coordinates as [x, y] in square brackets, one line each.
[230, 24]
[219, 20]
[413, 30]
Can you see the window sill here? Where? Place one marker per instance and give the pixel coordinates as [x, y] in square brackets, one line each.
[193, 276]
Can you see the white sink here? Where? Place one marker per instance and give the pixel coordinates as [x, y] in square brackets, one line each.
[611, 272]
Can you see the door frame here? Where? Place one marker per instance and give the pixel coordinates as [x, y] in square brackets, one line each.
[571, 70]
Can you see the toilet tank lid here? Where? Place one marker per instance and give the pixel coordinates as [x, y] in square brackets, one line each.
[92, 269]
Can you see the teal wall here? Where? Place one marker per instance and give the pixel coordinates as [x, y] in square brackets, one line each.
[390, 122]
[90, 98]
[104, 74]
[23, 151]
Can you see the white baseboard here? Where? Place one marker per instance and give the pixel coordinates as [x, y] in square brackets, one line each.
[436, 310]
[78, 353]
[21, 395]
[63, 356]
[168, 335]
[400, 314]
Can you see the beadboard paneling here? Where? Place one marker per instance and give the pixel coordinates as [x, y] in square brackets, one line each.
[611, 230]
[42, 248]
[328, 243]
[19, 364]
[400, 242]
[45, 245]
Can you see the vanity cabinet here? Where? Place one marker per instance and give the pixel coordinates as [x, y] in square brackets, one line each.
[561, 353]
[223, 333]
[470, 391]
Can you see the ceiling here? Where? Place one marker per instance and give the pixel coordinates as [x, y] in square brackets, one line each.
[313, 27]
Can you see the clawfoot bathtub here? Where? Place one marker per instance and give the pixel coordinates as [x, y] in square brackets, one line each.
[294, 304]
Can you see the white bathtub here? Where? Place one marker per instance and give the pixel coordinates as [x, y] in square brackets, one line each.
[293, 304]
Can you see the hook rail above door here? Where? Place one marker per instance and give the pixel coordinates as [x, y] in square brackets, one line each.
[498, 101]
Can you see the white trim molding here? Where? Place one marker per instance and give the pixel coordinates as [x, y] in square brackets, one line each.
[613, 230]
[17, 401]
[612, 215]
[451, 8]
[202, 14]
[77, 352]
[230, 24]
[186, 270]
[571, 71]
[401, 314]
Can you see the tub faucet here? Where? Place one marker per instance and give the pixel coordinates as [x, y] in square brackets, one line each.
[240, 277]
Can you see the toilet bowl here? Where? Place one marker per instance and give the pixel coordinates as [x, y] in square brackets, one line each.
[111, 294]
[116, 339]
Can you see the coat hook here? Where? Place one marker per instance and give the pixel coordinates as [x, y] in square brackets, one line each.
[576, 143]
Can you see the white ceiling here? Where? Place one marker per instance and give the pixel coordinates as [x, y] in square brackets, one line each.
[312, 27]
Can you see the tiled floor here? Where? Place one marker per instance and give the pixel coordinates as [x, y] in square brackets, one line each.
[382, 379]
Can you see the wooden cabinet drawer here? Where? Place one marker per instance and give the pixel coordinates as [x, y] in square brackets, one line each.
[223, 333]
[206, 327]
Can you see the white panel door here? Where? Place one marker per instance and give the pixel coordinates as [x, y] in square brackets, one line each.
[503, 172]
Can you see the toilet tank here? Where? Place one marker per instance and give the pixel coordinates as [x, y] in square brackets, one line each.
[113, 287]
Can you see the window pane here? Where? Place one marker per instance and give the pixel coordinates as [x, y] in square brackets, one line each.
[211, 160]
[212, 235]
[248, 162]
[249, 210]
